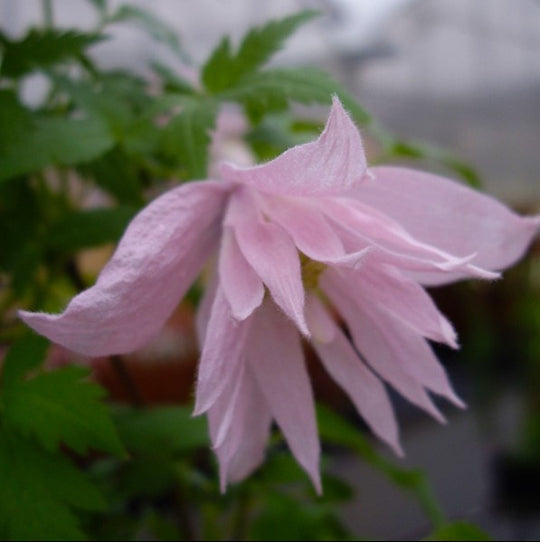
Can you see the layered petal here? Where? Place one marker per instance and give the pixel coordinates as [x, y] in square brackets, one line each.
[345, 366]
[374, 342]
[271, 253]
[159, 256]
[240, 448]
[448, 215]
[277, 362]
[242, 287]
[223, 352]
[333, 164]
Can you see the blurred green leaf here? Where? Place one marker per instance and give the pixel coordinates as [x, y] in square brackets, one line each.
[89, 228]
[26, 354]
[271, 90]
[186, 137]
[116, 172]
[223, 69]
[39, 141]
[39, 491]
[172, 81]
[161, 430]
[458, 530]
[155, 26]
[61, 406]
[42, 48]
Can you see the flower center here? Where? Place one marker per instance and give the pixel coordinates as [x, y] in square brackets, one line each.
[311, 270]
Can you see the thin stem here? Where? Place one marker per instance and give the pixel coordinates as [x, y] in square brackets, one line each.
[120, 368]
[48, 19]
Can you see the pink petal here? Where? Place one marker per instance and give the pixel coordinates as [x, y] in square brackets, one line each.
[205, 306]
[241, 450]
[223, 351]
[159, 256]
[361, 227]
[242, 287]
[333, 164]
[450, 216]
[308, 227]
[272, 255]
[277, 362]
[365, 390]
[375, 344]
[389, 290]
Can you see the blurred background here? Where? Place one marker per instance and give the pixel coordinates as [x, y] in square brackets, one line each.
[461, 75]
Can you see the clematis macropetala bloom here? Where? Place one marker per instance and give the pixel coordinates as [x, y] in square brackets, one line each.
[311, 229]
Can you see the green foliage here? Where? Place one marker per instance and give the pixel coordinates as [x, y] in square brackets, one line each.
[271, 90]
[224, 69]
[458, 530]
[39, 492]
[55, 406]
[191, 128]
[42, 48]
[38, 141]
[89, 228]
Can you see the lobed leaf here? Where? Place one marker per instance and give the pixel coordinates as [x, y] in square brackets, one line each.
[61, 406]
[42, 48]
[40, 491]
[223, 69]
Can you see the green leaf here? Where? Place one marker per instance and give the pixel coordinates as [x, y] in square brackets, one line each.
[39, 491]
[172, 81]
[156, 27]
[459, 530]
[90, 228]
[62, 406]
[40, 141]
[223, 70]
[26, 354]
[187, 136]
[42, 48]
[161, 430]
[271, 90]
[116, 172]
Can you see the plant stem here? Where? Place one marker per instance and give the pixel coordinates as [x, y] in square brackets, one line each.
[123, 374]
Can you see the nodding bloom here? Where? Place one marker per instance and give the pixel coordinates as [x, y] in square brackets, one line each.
[312, 229]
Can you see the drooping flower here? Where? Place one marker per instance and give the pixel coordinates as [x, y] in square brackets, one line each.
[312, 228]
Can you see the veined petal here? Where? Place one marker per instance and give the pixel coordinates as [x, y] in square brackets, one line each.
[387, 289]
[374, 344]
[277, 362]
[307, 226]
[242, 287]
[272, 254]
[448, 215]
[332, 164]
[223, 351]
[159, 256]
[365, 390]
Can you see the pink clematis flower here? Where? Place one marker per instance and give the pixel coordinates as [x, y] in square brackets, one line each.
[311, 228]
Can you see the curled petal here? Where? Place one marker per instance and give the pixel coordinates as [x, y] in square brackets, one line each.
[333, 164]
[277, 362]
[387, 289]
[159, 256]
[365, 390]
[223, 351]
[375, 343]
[308, 228]
[448, 215]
